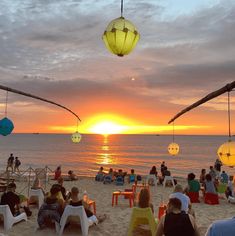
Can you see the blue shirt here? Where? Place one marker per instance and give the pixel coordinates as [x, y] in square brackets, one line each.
[222, 228]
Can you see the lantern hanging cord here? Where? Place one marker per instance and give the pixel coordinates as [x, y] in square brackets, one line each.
[77, 126]
[173, 126]
[6, 104]
[38, 98]
[229, 120]
[121, 8]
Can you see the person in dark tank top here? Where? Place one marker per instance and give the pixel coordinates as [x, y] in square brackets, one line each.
[175, 222]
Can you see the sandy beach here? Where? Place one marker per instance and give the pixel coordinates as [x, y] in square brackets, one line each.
[118, 217]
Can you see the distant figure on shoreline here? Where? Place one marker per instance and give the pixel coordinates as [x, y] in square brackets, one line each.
[17, 165]
[10, 162]
[57, 173]
[218, 165]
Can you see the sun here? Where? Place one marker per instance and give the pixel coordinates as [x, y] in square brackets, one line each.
[107, 127]
[107, 124]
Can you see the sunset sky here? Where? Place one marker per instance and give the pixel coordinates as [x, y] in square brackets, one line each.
[54, 49]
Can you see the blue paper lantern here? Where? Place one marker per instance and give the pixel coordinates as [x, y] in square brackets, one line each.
[6, 126]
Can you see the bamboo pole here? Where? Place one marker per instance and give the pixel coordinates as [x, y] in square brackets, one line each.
[226, 88]
[39, 98]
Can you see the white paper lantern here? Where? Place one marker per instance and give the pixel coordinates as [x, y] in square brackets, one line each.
[76, 137]
[173, 149]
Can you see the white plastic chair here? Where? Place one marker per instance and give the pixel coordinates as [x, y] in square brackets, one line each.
[9, 219]
[39, 194]
[75, 211]
[152, 177]
[168, 179]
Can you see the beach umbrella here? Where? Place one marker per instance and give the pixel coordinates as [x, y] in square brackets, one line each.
[173, 148]
[6, 126]
[76, 137]
[120, 36]
[226, 151]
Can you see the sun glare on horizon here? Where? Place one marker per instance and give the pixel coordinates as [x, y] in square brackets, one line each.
[107, 127]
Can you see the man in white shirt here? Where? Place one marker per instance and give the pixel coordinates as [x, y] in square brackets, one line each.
[185, 201]
[222, 227]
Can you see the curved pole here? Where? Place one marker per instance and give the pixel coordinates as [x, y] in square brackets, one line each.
[226, 88]
[39, 98]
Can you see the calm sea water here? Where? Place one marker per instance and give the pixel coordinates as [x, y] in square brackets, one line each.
[117, 151]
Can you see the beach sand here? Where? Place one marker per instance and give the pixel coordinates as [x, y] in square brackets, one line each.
[118, 217]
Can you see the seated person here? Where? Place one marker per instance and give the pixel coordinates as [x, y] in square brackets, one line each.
[153, 171]
[144, 199]
[100, 175]
[74, 201]
[185, 201]
[176, 222]
[72, 176]
[209, 185]
[109, 177]
[165, 172]
[132, 176]
[120, 176]
[224, 177]
[203, 176]
[193, 184]
[13, 200]
[36, 185]
[62, 190]
[57, 173]
[51, 209]
[222, 227]
[230, 188]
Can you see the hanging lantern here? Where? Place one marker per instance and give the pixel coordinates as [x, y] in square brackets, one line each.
[173, 149]
[226, 153]
[76, 137]
[120, 36]
[6, 126]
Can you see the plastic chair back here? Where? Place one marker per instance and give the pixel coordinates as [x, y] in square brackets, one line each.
[9, 219]
[141, 216]
[75, 211]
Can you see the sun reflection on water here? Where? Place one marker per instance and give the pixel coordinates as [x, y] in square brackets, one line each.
[105, 157]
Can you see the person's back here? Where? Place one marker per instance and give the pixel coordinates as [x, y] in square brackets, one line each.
[222, 227]
[11, 199]
[210, 187]
[194, 185]
[224, 177]
[185, 201]
[178, 224]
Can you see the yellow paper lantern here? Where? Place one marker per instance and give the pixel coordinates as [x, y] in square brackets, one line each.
[76, 137]
[173, 149]
[226, 153]
[120, 36]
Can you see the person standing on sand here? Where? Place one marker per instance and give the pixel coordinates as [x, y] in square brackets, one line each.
[17, 165]
[10, 162]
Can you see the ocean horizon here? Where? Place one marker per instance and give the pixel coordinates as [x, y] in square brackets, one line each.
[117, 151]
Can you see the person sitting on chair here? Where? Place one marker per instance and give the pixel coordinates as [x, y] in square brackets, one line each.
[176, 222]
[193, 184]
[144, 199]
[132, 176]
[13, 200]
[51, 209]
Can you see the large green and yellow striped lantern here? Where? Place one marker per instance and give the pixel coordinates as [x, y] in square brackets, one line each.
[120, 36]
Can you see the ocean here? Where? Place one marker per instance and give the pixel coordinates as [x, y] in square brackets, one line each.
[139, 152]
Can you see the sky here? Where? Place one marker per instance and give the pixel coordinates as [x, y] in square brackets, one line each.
[54, 49]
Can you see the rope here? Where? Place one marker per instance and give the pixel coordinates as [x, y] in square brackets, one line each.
[6, 104]
[121, 8]
[229, 120]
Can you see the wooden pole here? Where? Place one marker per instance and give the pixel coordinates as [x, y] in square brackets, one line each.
[38, 98]
[226, 88]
